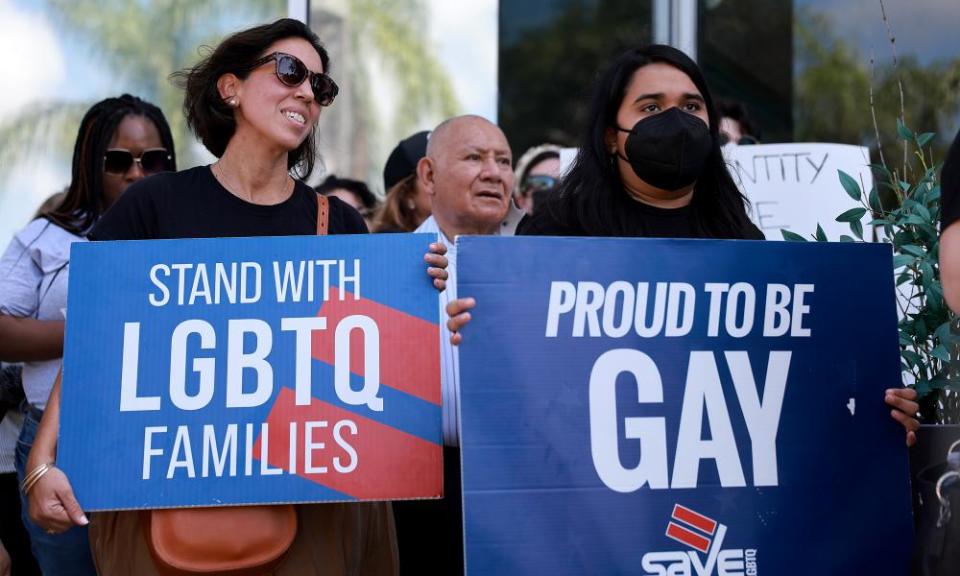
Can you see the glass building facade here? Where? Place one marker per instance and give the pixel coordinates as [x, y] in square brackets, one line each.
[805, 70]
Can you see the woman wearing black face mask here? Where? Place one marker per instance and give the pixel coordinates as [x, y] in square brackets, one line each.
[650, 163]
[650, 166]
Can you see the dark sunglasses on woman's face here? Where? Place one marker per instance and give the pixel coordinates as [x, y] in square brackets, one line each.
[292, 72]
[151, 161]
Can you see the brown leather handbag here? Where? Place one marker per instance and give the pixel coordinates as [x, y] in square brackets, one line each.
[228, 541]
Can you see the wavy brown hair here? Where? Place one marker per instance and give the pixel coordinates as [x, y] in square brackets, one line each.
[211, 118]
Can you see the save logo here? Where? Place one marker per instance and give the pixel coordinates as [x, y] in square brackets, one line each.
[705, 536]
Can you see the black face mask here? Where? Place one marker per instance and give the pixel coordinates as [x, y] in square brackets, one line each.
[668, 150]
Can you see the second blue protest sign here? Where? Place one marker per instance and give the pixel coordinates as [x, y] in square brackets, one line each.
[251, 370]
[680, 407]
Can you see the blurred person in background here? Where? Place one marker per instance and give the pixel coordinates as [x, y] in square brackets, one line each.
[13, 534]
[536, 176]
[120, 141]
[354, 192]
[736, 126]
[407, 203]
[949, 229]
[19, 560]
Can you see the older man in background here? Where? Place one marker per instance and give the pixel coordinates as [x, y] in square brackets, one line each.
[469, 176]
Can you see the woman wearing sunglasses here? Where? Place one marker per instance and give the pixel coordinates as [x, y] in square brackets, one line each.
[254, 102]
[120, 141]
[536, 176]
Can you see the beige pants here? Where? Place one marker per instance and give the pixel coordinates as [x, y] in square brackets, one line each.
[356, 539]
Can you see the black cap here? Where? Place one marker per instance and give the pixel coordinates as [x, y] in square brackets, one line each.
[403, 160]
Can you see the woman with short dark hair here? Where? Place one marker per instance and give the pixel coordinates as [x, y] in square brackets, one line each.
[254, 102]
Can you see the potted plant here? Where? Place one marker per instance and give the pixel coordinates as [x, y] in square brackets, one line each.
[905, 206]
[906, 214]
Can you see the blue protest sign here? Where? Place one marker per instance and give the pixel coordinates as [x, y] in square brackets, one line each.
[680, 407]
[251, 370]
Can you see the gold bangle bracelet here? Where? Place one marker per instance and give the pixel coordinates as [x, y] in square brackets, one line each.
[30, 475]
[29, 479]
[28, 483]
[33, 477]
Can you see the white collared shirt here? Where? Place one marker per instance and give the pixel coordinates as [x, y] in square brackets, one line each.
[449, 354]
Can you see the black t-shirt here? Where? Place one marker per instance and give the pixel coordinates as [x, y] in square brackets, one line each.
[950, 186]
[646, 222]
[193, 204]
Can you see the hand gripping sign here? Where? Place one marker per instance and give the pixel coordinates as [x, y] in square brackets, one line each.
[251, 370]
[681, 407]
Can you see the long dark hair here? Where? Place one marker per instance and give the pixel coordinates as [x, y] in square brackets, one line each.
[592, 194]
[83, 202]
[210, 118]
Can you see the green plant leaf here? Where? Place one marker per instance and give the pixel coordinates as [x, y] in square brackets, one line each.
[911, 357]
[924, 139]
[907, 326]
[792, 236]
[913, 250]
[901, 260]
[851, 215]
[935, 297]
[920, 195]
[929, 237]
[943, 332]
[857, 228]
[904, 132]
[882, 170]
[941, 352]
[922, 212]
[927, 270]
[850, 185]
[845, 238]
[820, 235]
[874, 199]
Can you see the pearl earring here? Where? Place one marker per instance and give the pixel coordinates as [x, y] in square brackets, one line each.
[232, 102]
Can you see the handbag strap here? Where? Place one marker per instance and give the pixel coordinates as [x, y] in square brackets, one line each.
[323, 215]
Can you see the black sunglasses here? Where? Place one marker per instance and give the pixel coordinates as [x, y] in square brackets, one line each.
[292, 72]
[151, 161]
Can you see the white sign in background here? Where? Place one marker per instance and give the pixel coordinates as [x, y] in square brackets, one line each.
[797, 186]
